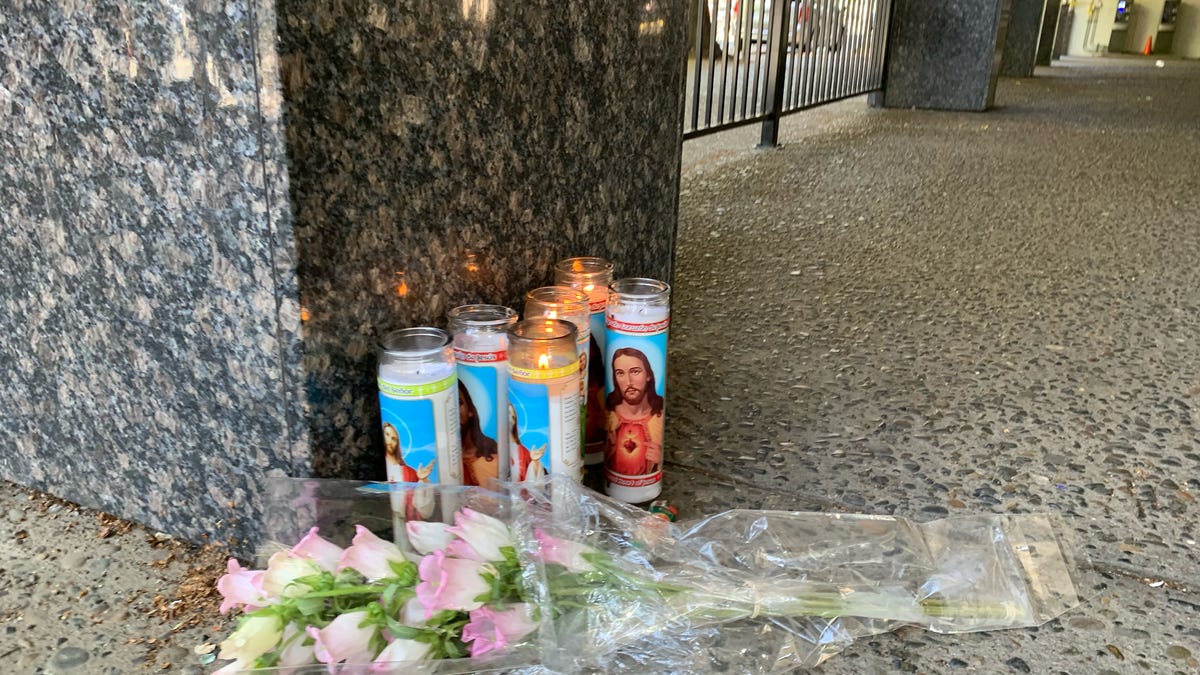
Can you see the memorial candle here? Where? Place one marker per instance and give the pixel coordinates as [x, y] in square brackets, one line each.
[591, 275]
[635, 359]
[568, 304]
[480, 335]
[543, 400]
[418, 408]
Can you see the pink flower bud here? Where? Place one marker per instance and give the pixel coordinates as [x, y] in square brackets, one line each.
[563, 552]
[427, 537]
[490, 630]
[484, 534]
[400, 650]
[344, 639]
[370, 556]
[241, 587]
[450, 583]
[321, 551]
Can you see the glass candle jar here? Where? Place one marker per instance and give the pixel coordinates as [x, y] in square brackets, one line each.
[568, 304]
[635, 361]
[591, 275]
[480, 335]
[418, 406]
[543, 400]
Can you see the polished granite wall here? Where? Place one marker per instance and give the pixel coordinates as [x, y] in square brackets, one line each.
[213, 210]
[944, 54]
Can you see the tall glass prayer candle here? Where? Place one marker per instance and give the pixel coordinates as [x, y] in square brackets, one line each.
[592, 276]
[543, 400]
[481, 350]
[418, 405]
[568, 304]
[635, 360]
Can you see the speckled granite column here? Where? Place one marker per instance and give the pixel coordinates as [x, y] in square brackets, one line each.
[212, 211]
[1021, 38]
[944, 54]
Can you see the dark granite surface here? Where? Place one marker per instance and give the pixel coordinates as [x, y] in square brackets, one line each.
[1021, 38]
[446, 153]
[212, 210]
[141, 300]
[944, 54]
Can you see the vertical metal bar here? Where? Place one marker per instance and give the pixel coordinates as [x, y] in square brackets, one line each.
[836, 52]
[819, 50]
[737, 60]
[712, 58]
[810, 61]
[758, 32]
[724, 64]
[698, 11]
[744, 43]
[860, 29]
[789, 30]
[797, 60]
[778, 57]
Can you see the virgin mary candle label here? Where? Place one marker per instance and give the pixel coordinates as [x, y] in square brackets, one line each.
[418, 407]
[481, 351]
[637, 319]
[592, 276]
[543, 400]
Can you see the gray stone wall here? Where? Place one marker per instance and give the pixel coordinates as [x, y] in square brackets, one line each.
[212, 211]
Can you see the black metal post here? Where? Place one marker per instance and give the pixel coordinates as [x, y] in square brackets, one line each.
[775, 81]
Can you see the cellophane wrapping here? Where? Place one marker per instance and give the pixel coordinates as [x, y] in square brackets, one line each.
[743, 591]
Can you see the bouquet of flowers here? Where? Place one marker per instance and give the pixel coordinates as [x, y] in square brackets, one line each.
[553, 577]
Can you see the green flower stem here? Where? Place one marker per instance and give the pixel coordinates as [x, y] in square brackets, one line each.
[345, 590]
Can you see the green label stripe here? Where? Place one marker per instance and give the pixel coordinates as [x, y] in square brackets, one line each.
[412, 390]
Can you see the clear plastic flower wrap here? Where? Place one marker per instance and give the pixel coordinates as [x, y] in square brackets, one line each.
[611, 588]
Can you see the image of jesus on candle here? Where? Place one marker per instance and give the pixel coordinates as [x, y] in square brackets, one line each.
[635, 416]
[481, 463]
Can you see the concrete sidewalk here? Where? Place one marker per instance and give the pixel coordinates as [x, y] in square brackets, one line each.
[898, 312]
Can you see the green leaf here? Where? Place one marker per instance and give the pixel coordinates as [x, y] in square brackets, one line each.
[401, 631]
[310, 606]
[407, 573]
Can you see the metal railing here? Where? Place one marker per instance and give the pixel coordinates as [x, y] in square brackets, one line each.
[756, 60]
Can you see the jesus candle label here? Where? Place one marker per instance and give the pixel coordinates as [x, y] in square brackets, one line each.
[635, 359]
[543, 400]
[418, 408]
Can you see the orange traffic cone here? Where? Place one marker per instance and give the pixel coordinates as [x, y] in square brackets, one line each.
[1149, 48]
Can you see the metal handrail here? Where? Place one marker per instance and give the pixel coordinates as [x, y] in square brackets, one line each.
[757, 60]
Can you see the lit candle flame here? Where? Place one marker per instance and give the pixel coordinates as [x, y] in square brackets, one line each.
[402, 286]
[589, 288]
[544, 362]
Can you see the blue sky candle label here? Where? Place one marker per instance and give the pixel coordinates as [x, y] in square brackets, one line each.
[636, 363]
